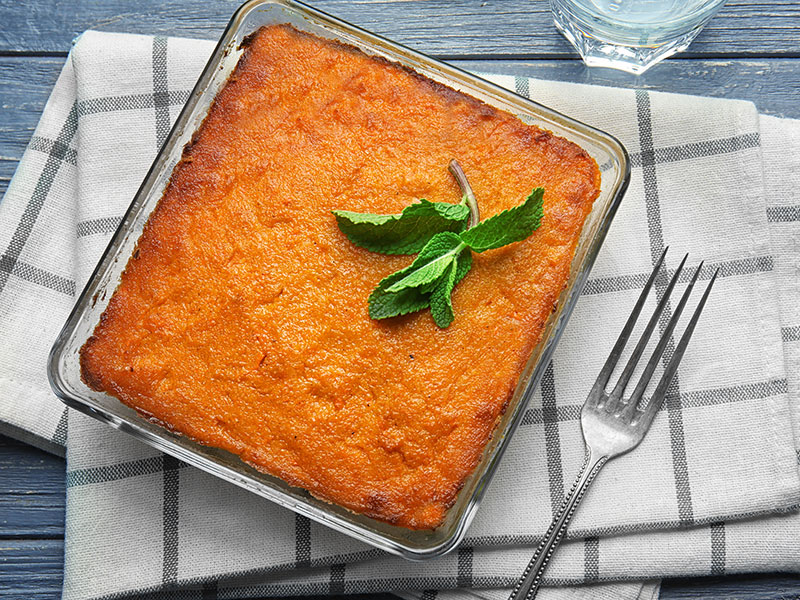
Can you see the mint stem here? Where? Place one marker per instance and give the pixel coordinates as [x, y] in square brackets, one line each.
[466, 191]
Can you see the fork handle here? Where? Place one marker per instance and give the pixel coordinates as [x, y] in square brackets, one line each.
[531, 579]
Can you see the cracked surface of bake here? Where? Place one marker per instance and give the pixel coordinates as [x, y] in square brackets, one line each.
[241, 320]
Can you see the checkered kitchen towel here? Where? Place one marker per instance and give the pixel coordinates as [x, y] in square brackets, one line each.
[711, 489]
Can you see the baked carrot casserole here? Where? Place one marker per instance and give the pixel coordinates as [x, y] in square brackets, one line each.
[241, 319]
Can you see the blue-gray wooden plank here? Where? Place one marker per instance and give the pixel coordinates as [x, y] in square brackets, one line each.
[25, 85]
[32, 492]
[739, 587]
[36, 36]
[31, 569]
[479, 28]
[773, 84]
[31, 539]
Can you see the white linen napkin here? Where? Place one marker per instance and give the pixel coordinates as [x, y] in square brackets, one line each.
[702, 495]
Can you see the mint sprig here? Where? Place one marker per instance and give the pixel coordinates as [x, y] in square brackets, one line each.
[445, 248]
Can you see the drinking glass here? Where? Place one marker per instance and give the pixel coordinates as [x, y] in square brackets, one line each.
[631, 35]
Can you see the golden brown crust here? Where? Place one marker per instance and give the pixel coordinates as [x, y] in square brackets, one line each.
[241, 321]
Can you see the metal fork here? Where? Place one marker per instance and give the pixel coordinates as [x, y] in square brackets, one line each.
[612, 425]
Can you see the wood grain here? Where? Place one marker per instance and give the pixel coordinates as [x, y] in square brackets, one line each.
[32, 525]
[766, 586]
[25, 85]
[751, 51]
[773, 84]
[31, 569]
[32, 492]
[520, 28]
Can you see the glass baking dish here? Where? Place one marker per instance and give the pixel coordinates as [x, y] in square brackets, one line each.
[64, 368]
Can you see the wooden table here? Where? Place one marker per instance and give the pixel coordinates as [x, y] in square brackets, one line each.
[751, 51]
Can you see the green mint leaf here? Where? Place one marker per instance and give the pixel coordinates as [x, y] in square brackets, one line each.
[432, 262]
[404, 233]
[512, 225]
[383, 304]
[463, 265]
[441, 302]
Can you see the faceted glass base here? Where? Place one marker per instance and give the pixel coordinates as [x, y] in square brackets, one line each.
[633, 59]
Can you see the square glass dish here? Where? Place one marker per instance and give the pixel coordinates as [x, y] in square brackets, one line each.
[64, 367]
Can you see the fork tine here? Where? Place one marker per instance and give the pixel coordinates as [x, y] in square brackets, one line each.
[616, 394]
[638, 392]
[661, 390]
[611, 362]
